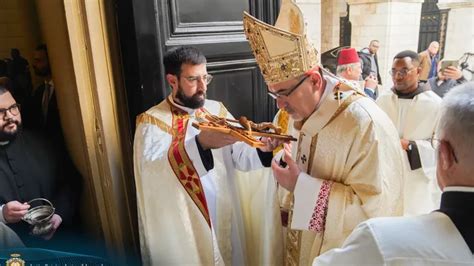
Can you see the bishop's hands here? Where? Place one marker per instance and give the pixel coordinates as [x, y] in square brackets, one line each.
[271, 144]
[13, 211]
[286, 176]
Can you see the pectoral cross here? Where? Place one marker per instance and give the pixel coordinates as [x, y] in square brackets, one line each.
[303, 159]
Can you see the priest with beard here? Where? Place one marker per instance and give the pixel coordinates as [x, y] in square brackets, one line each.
[31, 168]
[191, 208]
[414, 110]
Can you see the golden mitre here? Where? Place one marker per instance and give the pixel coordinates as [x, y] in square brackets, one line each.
[282, 51]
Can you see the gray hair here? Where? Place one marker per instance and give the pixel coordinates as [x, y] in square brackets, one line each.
[457, 119]
[342, 68]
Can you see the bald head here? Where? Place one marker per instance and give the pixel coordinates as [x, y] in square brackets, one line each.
[433, 48]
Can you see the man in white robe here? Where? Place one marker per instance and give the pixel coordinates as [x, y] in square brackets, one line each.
[189, 204]
[348, 164]
[414, 110]
[443, 237]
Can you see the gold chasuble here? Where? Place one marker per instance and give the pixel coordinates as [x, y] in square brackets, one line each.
[192, 216]
[348, 150]
[352, 170]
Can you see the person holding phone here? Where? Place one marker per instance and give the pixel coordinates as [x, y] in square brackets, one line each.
[449, 76]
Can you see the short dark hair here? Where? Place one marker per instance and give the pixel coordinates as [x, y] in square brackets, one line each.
[175, 57]
[3, 89]
[408, 53]
[372, 41]
[42, 47]
[5, 85]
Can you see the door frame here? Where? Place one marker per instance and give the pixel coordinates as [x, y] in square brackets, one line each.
[87, 57]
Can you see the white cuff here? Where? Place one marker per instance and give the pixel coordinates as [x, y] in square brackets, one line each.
[2, 219]
[191, 148]
[306, 195]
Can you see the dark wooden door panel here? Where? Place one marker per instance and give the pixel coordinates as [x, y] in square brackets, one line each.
[237, 85]
[151, 27]
[209, 11]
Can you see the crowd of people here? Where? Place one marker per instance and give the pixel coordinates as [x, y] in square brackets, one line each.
[377, 175]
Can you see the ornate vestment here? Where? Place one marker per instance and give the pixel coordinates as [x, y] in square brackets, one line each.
[187, 214]
[352, 170]
[416, 120]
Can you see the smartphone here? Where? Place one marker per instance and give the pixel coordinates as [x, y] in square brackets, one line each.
[447, 63]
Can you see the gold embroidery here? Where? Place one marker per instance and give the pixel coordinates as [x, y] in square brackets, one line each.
[183, 166]
[294, 236]
[149, 119]
[281, 53]
[283, 119]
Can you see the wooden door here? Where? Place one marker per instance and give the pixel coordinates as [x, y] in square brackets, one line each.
[149, 28]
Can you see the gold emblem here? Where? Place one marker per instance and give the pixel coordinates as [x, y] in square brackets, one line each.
[15, 260]
[282, 51]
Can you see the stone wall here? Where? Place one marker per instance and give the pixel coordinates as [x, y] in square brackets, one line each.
[395, 24]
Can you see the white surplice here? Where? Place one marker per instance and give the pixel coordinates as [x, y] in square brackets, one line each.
[416, 120]
[174, 226]
[430, 239]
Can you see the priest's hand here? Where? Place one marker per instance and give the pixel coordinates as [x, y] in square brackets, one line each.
[215, 140]
[286, 176]
[13, 211]
[271, 144]
[56, 221]
[404, 143]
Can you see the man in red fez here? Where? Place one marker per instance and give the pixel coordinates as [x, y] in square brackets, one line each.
[349, 67]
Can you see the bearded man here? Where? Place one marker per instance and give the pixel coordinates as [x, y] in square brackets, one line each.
[31, 168]
[189, 204]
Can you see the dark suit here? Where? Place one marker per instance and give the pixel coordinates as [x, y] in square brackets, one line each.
[444, 87]
[365, 56]
[33, 118]
[30, 167]
[459, 207]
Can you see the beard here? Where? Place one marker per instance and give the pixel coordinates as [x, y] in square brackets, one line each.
[194, 102]
[10, 135]
[43, 72]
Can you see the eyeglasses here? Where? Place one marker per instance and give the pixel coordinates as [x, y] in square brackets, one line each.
[402, 72]
[205, 78]
[276, 95]
[435, 144]
[13, 109]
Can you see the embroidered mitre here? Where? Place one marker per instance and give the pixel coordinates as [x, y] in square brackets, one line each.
[282, 51]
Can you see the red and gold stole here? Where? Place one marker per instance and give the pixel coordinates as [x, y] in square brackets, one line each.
[182, 164]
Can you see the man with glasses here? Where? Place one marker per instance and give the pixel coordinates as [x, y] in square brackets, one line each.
[414, 108]
[442, 237]
[188, 194]
[346, 166]
[31, 168]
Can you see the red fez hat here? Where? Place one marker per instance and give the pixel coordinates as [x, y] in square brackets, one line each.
[348, 56]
